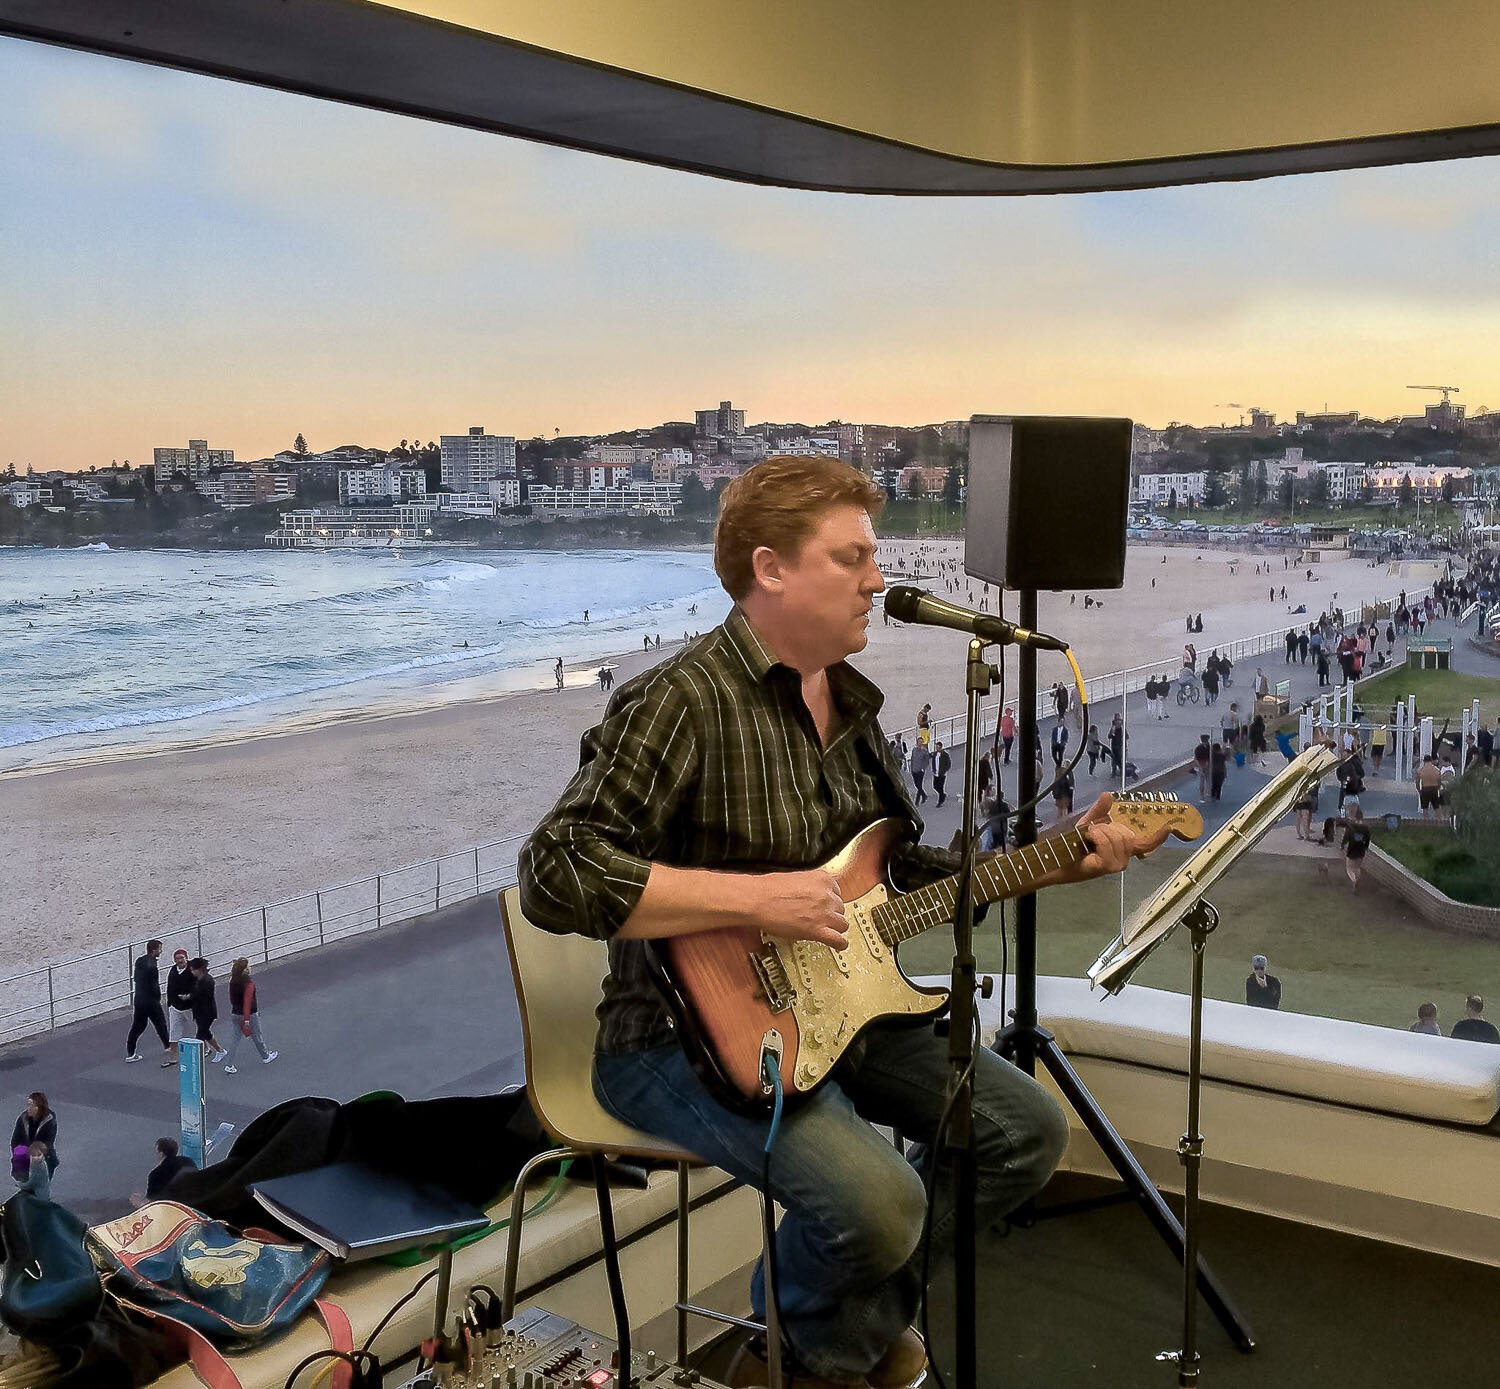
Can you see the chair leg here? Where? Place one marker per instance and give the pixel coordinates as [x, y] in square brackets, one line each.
[773, 1318]
[682, 1263]
[513, 1232]
[612, 1270]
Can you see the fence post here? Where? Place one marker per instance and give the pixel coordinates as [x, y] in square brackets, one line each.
[320, 915]
[198, 935]
[51, 1005]
[377, 901]
[265, 938]
[437, 887]
[476, 870]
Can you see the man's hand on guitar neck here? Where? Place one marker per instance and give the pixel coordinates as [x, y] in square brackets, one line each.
[1114, 845]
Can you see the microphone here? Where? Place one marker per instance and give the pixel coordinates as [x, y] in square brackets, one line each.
[907, 604]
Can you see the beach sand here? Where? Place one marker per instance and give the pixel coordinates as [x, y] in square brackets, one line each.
[133, 846]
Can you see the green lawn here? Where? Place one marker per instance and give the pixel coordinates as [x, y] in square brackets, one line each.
[1358, 956]
[1442, 859]
[1444, 694]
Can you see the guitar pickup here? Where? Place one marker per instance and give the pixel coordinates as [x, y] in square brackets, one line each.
[773, 978]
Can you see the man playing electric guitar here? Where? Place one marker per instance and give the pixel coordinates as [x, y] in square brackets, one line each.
[713, 783]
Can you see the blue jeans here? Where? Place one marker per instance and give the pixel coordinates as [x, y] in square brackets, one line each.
[848, 1250]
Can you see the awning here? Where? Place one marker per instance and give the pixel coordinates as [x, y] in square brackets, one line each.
[946, 96]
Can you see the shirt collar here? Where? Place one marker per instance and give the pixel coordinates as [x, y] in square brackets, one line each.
[858, 697]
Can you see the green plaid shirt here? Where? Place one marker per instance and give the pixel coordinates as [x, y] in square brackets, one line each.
[709, 760]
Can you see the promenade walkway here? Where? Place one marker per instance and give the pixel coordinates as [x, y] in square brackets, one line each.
[426, 1008]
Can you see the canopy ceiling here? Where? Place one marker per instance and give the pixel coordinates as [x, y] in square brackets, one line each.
[936, 96]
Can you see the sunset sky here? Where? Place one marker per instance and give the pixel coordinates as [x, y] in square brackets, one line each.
[189, 257]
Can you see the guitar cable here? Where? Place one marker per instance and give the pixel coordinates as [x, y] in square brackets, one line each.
[770, 1067]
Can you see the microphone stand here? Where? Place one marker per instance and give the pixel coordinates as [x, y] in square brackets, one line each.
[959, 1144]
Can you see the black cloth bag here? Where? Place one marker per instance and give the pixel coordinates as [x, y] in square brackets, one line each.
[472, 1146]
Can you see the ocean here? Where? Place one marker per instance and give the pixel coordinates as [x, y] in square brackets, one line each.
[103, 650]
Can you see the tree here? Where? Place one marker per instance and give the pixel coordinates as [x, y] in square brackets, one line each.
[1213, 490]
[1285, 496]
[1448, 488]
[1319, 490]
[1258, 486]
[914, 485]
[300, 445]
[694, 499]
[1172, 500]
[1406, 490]
[951, 484]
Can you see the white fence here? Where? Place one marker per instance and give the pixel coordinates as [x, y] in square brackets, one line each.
[53, 995]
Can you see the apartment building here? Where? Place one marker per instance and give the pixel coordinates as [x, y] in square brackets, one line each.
[470, 462]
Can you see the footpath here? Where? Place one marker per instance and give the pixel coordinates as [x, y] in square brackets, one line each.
[426, 1008]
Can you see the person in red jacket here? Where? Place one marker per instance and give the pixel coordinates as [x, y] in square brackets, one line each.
[244, 1008]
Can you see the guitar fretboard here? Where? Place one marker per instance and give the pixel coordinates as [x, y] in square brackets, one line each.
[1006, 875]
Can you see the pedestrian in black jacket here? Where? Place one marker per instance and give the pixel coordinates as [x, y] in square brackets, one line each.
[37, 1124]
[179, 1001]
[147, 1000]
[205, 1009]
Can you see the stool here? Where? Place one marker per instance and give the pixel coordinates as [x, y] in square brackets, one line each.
[556, 981]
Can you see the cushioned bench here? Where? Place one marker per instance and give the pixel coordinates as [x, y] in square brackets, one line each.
[1349, 1063]
[1372, 1130]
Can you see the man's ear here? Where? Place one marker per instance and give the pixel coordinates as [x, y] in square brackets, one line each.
[766, 565]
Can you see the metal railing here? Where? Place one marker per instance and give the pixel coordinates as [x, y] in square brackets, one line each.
[53, 995]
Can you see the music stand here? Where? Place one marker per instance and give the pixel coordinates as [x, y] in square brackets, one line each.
[1180, 902]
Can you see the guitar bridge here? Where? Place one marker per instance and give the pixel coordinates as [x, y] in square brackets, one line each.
[772, 974]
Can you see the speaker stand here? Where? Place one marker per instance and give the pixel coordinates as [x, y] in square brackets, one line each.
[1025, 1042]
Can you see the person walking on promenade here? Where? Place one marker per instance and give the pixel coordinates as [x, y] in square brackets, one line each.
[1218, 770]
[205, 1009]
[924, 725]
[942, 764]
[557, 672]
[1291, 644]
[921, 760]
[1007, 731]
[986, 776]
[1096, 748]
[1202, 758]
[1302, 641]
[1117, 745]
[1429, 781]
[1356, 842]
[179, 1002]
[37, 1124]
[1059, 741]
[244, 1010]
[1258, 740]
[1211, 681]
[146, 996]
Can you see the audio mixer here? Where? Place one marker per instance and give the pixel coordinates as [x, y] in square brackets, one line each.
[540, 1350]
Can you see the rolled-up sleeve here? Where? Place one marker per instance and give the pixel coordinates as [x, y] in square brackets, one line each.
[584, 868]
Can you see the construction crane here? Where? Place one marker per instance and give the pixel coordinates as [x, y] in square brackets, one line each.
[1446, 390]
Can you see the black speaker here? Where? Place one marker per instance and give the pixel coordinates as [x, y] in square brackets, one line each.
[1047, 501]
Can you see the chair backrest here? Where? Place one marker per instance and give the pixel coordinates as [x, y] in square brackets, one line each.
[557, 985]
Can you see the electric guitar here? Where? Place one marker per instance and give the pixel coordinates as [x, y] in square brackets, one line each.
[738, 994]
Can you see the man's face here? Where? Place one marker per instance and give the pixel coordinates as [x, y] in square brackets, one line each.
[180, 959]
[827, 589]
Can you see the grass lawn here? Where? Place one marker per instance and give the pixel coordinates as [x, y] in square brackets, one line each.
[1362, 956]
[1442, 859]
[1444, 694]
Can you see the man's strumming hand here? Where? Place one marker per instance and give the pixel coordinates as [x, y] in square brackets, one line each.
[804, 905]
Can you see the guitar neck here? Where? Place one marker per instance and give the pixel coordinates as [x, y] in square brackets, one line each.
[996, 878]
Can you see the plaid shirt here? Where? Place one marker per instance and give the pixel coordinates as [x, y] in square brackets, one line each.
[709, 760]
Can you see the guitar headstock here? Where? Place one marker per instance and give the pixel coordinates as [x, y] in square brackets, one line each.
[1147, 811]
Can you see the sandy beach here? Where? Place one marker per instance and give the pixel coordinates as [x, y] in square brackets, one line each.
[135, 845]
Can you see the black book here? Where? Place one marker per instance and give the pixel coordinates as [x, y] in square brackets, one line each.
[355, 1211]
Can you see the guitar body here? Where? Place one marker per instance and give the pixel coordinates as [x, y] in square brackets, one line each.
[736, 993]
